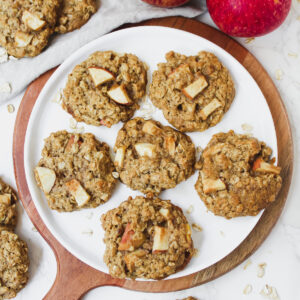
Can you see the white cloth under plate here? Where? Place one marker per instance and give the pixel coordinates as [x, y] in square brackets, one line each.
[111, 14]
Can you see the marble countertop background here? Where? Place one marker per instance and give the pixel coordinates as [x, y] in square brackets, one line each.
[279, 53]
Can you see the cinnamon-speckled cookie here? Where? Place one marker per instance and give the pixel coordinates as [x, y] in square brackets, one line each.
[146, 238]
[8, 211]
[151, 157]
[25, 26]
[14, 264]
[194, 92]
[237, 175]
[73, 14]
[75, 171]
[106, 88]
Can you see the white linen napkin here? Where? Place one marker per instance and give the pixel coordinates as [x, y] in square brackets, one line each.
[15, 75]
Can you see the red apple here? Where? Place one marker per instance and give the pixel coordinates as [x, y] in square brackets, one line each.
[166, 3]
[248, 18]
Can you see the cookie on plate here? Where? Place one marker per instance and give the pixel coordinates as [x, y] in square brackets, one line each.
[194, 92]
[14, 264]
[8, 211]
[146, 238]
[25, 26]
[237, 176]
[151, 157]
[105, 88]
[75, 171]
[73, 14]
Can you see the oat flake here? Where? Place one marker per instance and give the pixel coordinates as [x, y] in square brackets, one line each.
[115, 175]
[269, 292]
[278, 74]
[10, 108]
[87, 232]
[292, 54]
[261, 270]
[197, 227]
[247, 264]
[249, 40]
[247, 127]
[5, 88]
[190, 209]
[248, 289]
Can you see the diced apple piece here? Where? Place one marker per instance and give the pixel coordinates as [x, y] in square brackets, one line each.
[120, 155]
[5, 199]
[210, 108]
[100, 75]
[151, 128]
[212, 185]
[32, 20]
[23, 39]
[165, 212]
[130, 241]
[184, 68]
[71, 142]
[192, 90]
[170, 145]
[160, 240]
[119, 95]
[78, 192]
[47, 178]
[145, 149]
[261, 166]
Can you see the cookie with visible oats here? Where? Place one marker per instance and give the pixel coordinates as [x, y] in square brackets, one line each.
[14, 264]
[194, 92]
[237, 176]
[26, 26]
[73, 14]
[151, 157]
[146, 238]
[8, 210]
[105, 89]
[75, 171]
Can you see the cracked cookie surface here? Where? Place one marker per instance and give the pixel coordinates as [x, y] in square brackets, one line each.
[92, 104]
[146, 238]
[151, 157]
[237, 176]
[194, 92]
[75, 171]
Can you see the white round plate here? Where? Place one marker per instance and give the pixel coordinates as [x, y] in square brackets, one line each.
[81, 232]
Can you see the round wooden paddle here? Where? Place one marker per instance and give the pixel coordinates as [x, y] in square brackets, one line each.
[74, 278]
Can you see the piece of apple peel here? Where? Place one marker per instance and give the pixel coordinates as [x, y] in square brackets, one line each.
[160, 240]
[100, 75]
[212, 185]
[119, 95]
[192, 90]
[145, 149]
[260, 165]
[32, 21]
[23, 39]
[209, 108]
[47, 178]
[78, 192]
[130, 241]
[120, 155]
[151, 128]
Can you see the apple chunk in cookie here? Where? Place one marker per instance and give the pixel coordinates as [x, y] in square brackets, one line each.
[146, 238]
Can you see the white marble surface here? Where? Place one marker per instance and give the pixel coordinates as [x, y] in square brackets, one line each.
[279, 52]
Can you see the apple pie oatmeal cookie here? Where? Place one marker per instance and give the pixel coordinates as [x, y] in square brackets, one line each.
[151, 157]
[8, 211]
[146, 238]
[194, 92]
[73, 14]
[105, 88]
[14, 264]
[237, 176]
[26, 26]
[75, 171]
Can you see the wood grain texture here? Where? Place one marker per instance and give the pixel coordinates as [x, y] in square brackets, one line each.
[74, 278]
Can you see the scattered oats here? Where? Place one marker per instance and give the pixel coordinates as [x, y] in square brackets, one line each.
[72, 123]
[278, 74]
[115, 175]
[249, 40]
[34, 229]
[79, 130]
[261, 270]
[247, 127]
[222, 233]
[88, 232]
[57, 98]
[5, 88]
[12, 58]
[89, 215]
[269, 292]
[247, 264]
[293, 54]
[3, 55]
[10, 108]
[197, 227]
[248, 289]
[196, 252]
[190, 209]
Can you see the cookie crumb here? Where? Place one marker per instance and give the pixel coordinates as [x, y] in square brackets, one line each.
[5, 88]
[196, 252]
[269, 292]
[247, 127]
[248, 289]
[247, 264]
[10, 108]
[197, 227]
[72, 123]
[222, 233]
[261, 270]
[249, 40]
[190, 209]
[293, 54]
[87, 232]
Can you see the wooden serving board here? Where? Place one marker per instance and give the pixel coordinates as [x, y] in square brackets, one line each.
[74, 278]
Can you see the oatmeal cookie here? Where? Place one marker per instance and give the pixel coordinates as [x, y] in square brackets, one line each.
[25, 26]
[73, 14]
[151, 157]
[14, 264]
[75, 171]
[194, 92]
[105, 88]
[8, 211]
[146, 238]
[237, 175]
